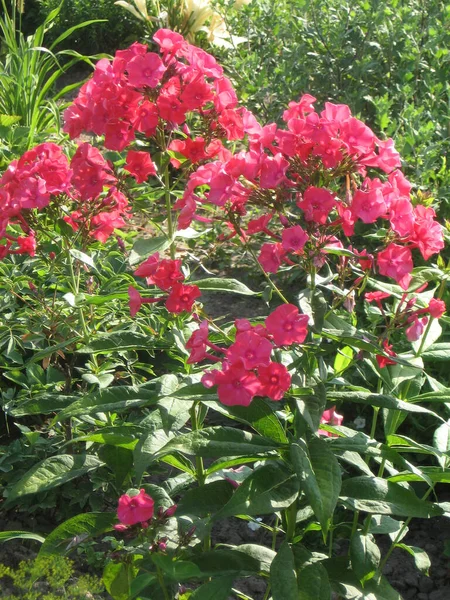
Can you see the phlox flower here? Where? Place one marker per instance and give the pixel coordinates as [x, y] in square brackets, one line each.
[182, 297]
[145, 70]
[436, 308]
[140, 165]
[275, 380]
[135, 509]
[294, 238]
[250, 348]
[396, 262]
[270, 257]
[384, 361]
[287, 326]
[416, 329]
[235, 385]
[317, 203]
[369, 205]
[330, 417]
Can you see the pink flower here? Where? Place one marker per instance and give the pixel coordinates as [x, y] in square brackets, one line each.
[294, 238]
[287, 326]
[235, 385]
[436, 308]
[273, 171]
[270, 257]
[197, 344]
[250, 348]
[383, 361]
[275, 380]
[140, 165]
[135, 509]
[317, 204]
[182, 297]
[145, 70]
[396, 262]
[415, 330]
[369, 205]
[330, 417]
[376, 296]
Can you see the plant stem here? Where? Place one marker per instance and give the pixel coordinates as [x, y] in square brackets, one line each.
[200, 470]
[291, 521]
[169, 212]
[162, 584]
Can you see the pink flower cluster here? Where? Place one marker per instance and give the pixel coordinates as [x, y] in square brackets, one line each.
[247, 368]
[141, 91]
[278, 174]
[44, 173]
[167, 276]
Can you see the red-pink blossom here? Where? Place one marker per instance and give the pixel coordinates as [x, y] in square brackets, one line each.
[270, 257]
[182, 298]
[330, 417]
[415, 330]
[235, 385]
[317, 203]
[294, 238]
[250, 348]
[135, 509]
[145, 70]
[287, 326]
[140, 165]
[275, 380]
[396, 262]
[436, 308]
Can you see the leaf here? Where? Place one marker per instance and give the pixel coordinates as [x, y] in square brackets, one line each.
[227, 562]
[118, 341]
[214, 284]
[119, 460]
[441, 441]
[213, 442]
[382, 400]
[380, 589]
[114, 399]
[42, 405]
[5, 536]
[264, 555]
[217, 589]
[313, 583]
[365, 556]
[320, 477]
[439, 351]
[283, 578]
[84, 258]
[375, 495]
[117, 578]
[75, 530]
[176, 570]
[145, 247]
[52, 472]
[268, 489]
[8, 120]
[343, 359]
[258, 415]
[204, 500]
[140, 583]
[421, 558]
[125, 436]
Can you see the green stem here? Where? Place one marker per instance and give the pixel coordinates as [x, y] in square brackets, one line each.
[266, 276]
[291, 521]
[170, 230]
[75, 284]
[199, 469]
[267, 594]
[162, 584]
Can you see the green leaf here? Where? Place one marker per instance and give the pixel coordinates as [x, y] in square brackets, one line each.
[313, 583]
[377, 496]
[268, 489]
[264, 555]
[320, 477]
[144, 247]
[84, 258]
[119, 341]
[283, 578]
[258, 415]
[176, 570]
[213, 442]
[382, 400]
[140, 583]
[381, 589]
[119, 460]
[365, 556]
[37, 356]
[421, 558]
[5, 536]
[117, 578]
[125, 436]
[8, 120]
[227, 562]
[439, 351]
[217, 589]
[42, 405]
[343, 359]
[114, 399]
[75, 530]
[52, 472]
[214, 284]
[204, 500]
[441, 441]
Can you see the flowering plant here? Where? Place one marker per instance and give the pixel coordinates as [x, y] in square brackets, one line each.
[323, 210]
